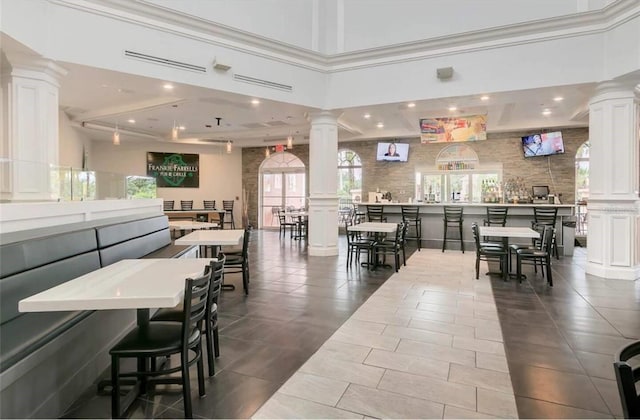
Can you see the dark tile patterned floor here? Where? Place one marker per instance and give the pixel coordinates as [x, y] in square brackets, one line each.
[296, 302]
[559, 341]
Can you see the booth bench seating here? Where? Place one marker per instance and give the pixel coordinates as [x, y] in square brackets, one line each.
[33, 369]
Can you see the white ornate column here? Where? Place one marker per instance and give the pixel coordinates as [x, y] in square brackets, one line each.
[613, 239]
[323, 184]
[29, 127]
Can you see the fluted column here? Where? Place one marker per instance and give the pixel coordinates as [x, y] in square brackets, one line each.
[29, 127]
[613, 238]
[323, 184]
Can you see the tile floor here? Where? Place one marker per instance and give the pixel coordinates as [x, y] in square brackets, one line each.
[430, 342]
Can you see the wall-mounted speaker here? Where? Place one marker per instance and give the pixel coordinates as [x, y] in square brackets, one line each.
[444, 73]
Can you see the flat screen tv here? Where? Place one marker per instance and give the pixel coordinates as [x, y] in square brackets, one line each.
[543, 144]
[393, 152]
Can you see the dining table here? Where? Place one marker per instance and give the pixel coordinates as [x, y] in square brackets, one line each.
[379, 229]
[506, 232]
[140, 284]
[214, 239]
[299, 217]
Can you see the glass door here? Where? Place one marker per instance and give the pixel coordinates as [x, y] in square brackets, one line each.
[281, 190]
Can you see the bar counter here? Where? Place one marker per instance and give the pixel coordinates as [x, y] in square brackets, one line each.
[432, 214]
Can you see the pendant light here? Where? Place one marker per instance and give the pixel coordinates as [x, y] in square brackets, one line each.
[290, 142]
[267, 152]
[228, 146]
[174, 131]
[116, 136]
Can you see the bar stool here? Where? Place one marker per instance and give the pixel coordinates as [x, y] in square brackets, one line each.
[412, 219]
[375, 213]
[496, 216]
[227, 206]
[168, 205]
[186, 204]
[452, 218]
[209, 204]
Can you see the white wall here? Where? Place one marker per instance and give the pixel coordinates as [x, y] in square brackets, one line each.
[72, 143]
[283, 20]
[220, 173]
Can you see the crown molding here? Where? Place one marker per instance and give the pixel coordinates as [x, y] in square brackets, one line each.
[144, 13]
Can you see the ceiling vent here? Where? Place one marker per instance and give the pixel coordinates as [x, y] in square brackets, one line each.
[261, 82]
[164, 61]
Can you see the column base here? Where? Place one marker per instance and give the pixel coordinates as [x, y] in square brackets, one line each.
[320, 251]
[613, 273]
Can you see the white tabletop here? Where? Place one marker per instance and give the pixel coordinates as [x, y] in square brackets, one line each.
[379, 227]
[508, 232]
[189, 224]
[127, 284]
[212, 237]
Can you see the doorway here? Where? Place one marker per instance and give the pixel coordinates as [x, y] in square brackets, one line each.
[282, 186]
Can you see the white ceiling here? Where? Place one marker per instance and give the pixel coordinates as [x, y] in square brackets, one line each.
[100, 97]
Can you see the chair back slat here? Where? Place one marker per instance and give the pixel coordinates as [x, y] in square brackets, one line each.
[196, 292]
[497, 216]
[186, 204]
[545, 215]
[209, 204]
[375, 213]
[410, 212]
[227, 205]
[168, 205]
[453, 213]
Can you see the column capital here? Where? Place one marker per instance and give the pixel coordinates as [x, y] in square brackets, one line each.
[324, 116]
[612, 89]
[18, 64]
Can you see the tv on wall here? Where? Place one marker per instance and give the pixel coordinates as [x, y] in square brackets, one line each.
[394, 152]
[543, 144]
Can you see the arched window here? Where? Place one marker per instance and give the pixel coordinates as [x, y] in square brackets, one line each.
[582, 187]
[349, 176]
[282, 184]
[582, 172]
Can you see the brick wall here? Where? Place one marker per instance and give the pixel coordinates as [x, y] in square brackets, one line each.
[399, 178]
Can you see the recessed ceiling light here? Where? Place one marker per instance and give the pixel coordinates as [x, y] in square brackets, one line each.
[411, 105]
[558, 98]
[182, 128]
[453, 108]
[168, 86]
[546, 112]
[484, 98]
[255, 101]
[380, 125]
[367, 116]
[131, 121]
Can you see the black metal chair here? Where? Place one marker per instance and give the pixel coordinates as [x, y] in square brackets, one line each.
[452, 218]
[535, 256]
[375, 213]
[209, 204]
[489, 252]
[411, 216]
[227, 206]
[186, 204]
[239, 263]
[628, 379]
[390, 247]
[216, 271]
[356, 244]
[159, 339]
[546, 216]
[168, 205]
[282, 217]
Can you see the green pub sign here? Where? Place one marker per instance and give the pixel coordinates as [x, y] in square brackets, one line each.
[174, 169]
